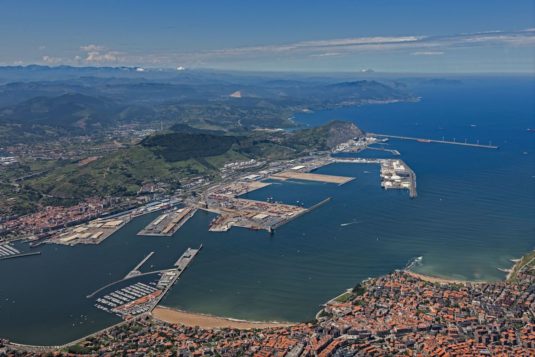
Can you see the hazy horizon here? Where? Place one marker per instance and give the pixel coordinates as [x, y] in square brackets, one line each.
[412, 37]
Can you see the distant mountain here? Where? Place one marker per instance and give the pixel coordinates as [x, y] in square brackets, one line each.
[72, 111]
[363, 90]
[83, 100]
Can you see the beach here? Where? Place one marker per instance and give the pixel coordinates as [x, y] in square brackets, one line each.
[174, 316]
[433, 279]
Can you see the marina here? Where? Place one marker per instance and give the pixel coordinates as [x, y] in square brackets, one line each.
[19, 255]
[142, 297]
[7, 250]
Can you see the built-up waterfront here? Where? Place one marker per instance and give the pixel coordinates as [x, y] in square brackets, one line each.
[465, 223]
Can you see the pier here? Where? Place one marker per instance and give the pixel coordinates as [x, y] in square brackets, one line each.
[291, 218]
[135, 271]
[307, 176]
[7, 250]
[20, 255]
[425, 140]
[168, 223]
[395, 173]
[391, 151]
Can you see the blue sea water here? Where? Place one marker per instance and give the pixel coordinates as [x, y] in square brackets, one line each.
[475, 211]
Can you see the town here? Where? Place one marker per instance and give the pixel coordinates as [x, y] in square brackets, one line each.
[396, 314]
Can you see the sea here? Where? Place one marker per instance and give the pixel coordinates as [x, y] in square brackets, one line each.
[475, 211]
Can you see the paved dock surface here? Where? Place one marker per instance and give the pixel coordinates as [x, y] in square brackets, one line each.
[307, 176]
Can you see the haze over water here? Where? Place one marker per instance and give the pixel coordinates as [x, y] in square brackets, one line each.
[475, 210]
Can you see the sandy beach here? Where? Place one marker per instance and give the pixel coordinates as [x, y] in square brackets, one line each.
[173, 316]
[433, 279]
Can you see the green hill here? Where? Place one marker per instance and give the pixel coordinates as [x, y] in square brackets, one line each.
[324, 137]
[172, 158]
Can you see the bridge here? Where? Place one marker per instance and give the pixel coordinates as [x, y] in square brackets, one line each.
[425, 140]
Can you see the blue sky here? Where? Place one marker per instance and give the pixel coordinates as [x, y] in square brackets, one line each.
[391, 36]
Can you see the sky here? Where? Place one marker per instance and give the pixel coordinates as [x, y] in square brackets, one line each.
[413, 36]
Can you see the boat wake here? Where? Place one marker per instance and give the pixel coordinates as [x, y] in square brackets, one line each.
[349, 223]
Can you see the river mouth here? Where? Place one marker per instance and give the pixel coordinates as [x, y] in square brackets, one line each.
[472, 215]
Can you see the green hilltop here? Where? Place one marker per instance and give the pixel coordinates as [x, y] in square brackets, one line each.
[174, 157]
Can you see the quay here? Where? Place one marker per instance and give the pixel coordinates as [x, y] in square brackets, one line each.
[424, 140]
[168, 223]
[307, 176]
[186, 258]
[135, 271]
[290, 218]
[395, 173]
[93, 232]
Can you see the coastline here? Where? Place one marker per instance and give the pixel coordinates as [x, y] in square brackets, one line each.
[192, 319]
[438, 280]
[210, 322]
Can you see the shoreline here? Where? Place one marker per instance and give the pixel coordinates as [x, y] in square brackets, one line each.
[191, 319]
[205, 321]
[439, 280]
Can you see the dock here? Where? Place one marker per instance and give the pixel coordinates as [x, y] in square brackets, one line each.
[186, 258]
[307, 176]
[291, 218]
[7, 250]
[425, 140]
[93, 232]
[168, 223]
[395, 173]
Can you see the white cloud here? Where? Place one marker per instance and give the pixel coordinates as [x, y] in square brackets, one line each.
[417, 45]
[326, 54]
[98, 57]
[52, 60]
[427, 53]
[92, 48]
[98, 54]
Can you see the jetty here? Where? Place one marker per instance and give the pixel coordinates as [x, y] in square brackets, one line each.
[20, 255]
[135, 271]
[426, 140]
